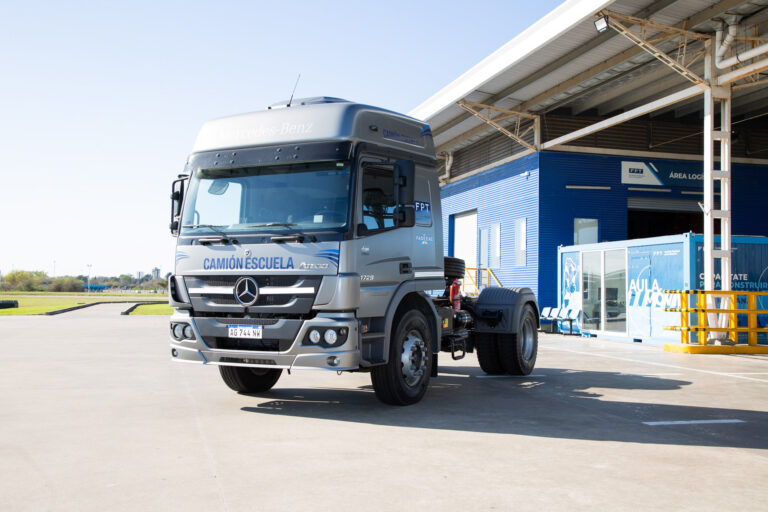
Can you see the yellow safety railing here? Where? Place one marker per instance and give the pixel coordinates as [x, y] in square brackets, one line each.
[712, 319]
[473, 279]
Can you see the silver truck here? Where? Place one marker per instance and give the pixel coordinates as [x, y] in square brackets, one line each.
[310, 236]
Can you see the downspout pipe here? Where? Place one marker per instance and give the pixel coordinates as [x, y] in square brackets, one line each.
[722, 45]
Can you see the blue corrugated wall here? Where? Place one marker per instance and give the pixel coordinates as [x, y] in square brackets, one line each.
[504, 194]
[501, 195]
[559, 206]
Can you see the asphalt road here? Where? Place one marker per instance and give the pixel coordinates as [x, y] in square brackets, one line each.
[94, 416]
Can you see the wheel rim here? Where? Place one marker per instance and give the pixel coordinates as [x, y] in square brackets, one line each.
[259, 371]
[527, 340]
[414, 358]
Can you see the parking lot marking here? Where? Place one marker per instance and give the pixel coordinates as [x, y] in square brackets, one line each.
[689, 422]
[722, 374]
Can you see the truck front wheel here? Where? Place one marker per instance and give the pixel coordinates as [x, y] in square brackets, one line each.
[404, 379]
[249, 380]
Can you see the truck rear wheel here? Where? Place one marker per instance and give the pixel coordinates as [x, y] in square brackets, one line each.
[249, 380]
[518, 351]
[488, 353]
[404, 379]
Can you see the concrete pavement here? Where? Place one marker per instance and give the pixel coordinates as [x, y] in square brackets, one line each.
[94, 416]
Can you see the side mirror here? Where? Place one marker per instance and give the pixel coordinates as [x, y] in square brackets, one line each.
[362, 229]
[177, 200]
[405, 181]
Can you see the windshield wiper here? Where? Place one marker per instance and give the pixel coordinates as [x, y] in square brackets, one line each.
[295, 235]
[224, 236]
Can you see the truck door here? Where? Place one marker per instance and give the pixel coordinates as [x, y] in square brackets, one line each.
[382, 251]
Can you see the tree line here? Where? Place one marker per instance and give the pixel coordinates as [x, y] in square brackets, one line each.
[39, 281]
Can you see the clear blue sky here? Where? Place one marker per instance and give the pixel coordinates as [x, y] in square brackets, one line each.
[100, 105]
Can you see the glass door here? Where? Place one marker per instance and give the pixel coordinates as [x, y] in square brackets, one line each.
[591, 286]
[615, 291]
[604, 290]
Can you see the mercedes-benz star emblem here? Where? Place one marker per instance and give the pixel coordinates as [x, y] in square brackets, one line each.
[246, 291]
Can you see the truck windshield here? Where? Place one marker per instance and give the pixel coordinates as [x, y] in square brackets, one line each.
[300, 197]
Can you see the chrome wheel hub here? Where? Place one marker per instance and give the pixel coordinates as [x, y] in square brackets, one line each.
[414, 358]
[527, 341]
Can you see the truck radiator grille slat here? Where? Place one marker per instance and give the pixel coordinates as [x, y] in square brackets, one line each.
[247, 321]
[223, 343]
[293, 294]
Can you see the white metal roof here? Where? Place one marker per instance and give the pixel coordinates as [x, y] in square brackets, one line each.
[562, 61]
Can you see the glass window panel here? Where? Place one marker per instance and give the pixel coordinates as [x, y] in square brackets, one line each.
[615, 291]
[590, 284]
[218, 203]
[378, 198]
[495, 246]
[584, 231]
[520, 242]
[484, 247]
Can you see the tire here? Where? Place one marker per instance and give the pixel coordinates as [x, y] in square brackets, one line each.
[518, 351]
[454, 268]
[249, 380]
[405, 377]
[7, 304]
[488, 353]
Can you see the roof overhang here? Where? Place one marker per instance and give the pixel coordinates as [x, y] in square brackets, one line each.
[562, 62]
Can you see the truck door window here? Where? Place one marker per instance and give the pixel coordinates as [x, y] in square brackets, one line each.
[378, 199]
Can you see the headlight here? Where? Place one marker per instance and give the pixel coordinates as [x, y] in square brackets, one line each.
[178, 331]
[330, 336]
[314, 336]
[188, 332]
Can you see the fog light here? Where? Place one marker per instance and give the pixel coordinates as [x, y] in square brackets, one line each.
[178, 331]
[333, 361]
[173, 352]
[314, 336]
[188, 333]
[330, 336]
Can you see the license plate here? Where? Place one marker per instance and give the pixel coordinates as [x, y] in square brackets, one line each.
[245, 331]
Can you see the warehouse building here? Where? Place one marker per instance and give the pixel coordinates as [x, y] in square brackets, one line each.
[603, 122]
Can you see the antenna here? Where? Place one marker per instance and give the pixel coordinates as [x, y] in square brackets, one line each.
[294, 90]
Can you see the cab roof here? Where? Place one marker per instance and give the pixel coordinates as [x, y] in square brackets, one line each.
[316, 120]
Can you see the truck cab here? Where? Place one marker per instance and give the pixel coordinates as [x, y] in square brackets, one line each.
[309, 236]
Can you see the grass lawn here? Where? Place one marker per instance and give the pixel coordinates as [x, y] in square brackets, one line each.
[153, 309]
[39, 304]
[124, 295]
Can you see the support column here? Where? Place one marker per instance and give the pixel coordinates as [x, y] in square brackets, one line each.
[709, 164]
[722, 95]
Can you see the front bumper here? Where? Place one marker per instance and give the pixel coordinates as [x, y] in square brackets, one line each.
[290, 355]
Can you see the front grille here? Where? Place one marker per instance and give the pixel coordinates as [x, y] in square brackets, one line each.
[210, 294]
[247, 321]
[263, 300]
[245, 360]
[261, 280]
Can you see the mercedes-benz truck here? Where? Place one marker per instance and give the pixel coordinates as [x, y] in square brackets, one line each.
[310, 236]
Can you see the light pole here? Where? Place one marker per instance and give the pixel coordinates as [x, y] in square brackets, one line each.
[89, 279]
